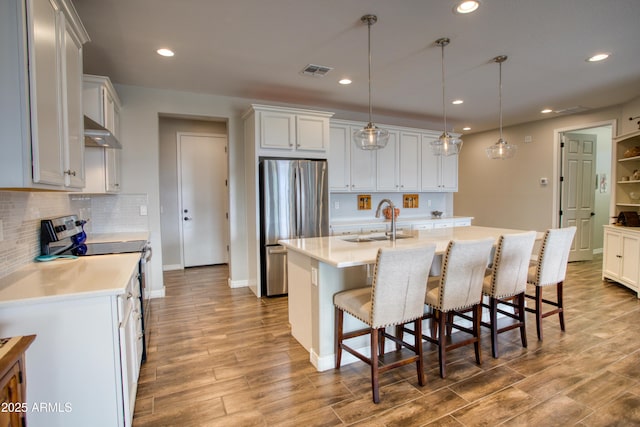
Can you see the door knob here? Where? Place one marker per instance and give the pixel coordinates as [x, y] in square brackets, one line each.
[593, 214]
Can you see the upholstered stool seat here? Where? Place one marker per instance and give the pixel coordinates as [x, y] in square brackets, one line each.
[550, 270]
[457, 289]
[506, 282]
[395, 297]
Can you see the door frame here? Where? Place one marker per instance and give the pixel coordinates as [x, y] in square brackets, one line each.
[557, 163]
[179, 134]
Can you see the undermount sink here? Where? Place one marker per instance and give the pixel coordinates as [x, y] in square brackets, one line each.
[380, 238]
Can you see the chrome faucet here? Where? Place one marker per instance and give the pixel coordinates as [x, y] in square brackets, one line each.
[393, 216]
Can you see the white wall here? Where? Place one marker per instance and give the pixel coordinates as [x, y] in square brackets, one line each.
[141, 108]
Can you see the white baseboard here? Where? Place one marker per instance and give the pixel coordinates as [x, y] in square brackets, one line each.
[237, 283]
[171, 267]
[158, 293]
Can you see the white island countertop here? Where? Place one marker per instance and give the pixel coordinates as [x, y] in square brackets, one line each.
[68, 278]
[338, 252]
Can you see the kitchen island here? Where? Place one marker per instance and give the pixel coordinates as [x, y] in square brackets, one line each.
[321, 266]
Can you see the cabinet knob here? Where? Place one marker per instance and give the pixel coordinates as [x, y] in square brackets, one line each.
[70, 172]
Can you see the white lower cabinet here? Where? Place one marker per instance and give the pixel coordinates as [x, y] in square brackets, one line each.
[621, 256]
[85, 361]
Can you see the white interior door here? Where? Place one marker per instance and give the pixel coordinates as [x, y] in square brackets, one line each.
[578, 191]
[203, 198]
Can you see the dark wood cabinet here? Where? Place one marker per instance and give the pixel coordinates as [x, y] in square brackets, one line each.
[13, 381]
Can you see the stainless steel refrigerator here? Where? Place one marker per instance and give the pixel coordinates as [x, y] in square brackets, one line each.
[293, 204]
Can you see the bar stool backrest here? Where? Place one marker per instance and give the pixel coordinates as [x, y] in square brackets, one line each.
[554, 256]
[511, 264]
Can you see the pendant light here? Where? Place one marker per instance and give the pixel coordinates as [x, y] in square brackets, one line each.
[501, 149]
[370, 137]
[446, 145]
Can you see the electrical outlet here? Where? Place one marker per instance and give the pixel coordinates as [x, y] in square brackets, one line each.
[336, 205]
[143, 210]
[428, 203]
[1, 231]
[314, 276]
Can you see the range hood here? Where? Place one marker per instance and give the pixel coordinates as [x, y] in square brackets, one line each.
[97, 136]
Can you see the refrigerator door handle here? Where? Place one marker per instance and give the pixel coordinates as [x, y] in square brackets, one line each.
[299, 204]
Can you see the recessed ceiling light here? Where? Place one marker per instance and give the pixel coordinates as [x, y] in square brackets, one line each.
[466, 6]
[165, 52]
[598, 57]
[457, 102]
[466, 128]
[345, 81]
[546, 111]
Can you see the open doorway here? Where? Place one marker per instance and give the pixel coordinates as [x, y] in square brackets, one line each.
[171, 218]
[584, 193]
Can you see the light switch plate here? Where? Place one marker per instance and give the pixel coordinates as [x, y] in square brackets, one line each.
[314, 276]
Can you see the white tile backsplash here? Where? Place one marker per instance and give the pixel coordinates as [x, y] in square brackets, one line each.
[22, 211]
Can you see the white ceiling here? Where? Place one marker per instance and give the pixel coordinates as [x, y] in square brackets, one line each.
[256, 49]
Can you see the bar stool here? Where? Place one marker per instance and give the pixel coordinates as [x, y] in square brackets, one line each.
[458, 288]
[395, 297]
[550, 269]
[506, 282]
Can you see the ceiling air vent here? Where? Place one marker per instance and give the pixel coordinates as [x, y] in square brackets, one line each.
[316, 70]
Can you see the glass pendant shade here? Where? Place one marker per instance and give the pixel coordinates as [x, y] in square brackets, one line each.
[370, 137]
[446, 145]
[501, 150]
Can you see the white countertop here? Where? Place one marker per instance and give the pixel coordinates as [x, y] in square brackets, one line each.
[117, 237]
[399, 219]
[339, 253]
[68, 278]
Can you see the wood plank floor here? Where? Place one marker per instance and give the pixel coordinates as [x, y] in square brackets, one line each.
[222, 357]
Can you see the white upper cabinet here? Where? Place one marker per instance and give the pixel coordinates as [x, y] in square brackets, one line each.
[102, 105]
[409, 166]
[399, 163]
[299, 133]
[74, 132]
[101, 102]
[439, 173]
[40, 81]
[406, 164]
[350, 169]
[363, 166]
[387, 165]
[339, 161]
